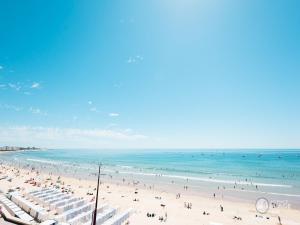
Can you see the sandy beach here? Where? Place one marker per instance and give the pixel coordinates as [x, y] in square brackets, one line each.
[186, 111]
[172, 208]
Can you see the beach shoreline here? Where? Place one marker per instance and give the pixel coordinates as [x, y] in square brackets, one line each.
[237, 185]
[145, 199]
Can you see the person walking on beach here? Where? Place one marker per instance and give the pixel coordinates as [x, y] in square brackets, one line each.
[279, 220]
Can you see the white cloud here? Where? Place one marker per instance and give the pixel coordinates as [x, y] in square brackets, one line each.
[128, 130]
[10, 107]
[139, 57]
[135, 59]
[131, 60]
[35, 85]
[113, 114]
[18, 108]
[19, 86]
[94, 109]
[37, 111]
[16, 87]
[66, 137]
[112, 125]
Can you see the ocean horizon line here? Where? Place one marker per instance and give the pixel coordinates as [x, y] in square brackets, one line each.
[178, 150]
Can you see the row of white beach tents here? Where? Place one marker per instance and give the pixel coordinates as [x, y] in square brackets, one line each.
[50, 204]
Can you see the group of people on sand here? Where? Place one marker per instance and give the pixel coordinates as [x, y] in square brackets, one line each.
[163, 219]
[237, 218]
[160, 218]
[188, 205]
[205, 213]
[150, 214]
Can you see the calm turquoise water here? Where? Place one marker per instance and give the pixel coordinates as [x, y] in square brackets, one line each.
[272, 171]
[277, 167]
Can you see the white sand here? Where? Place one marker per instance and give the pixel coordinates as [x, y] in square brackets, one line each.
[174, 210]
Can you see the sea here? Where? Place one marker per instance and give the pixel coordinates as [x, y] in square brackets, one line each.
[246, 174]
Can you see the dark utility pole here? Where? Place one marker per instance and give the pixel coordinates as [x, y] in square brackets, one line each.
[96, 204]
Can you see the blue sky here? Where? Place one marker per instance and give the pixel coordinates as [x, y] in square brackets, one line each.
[146, 74]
